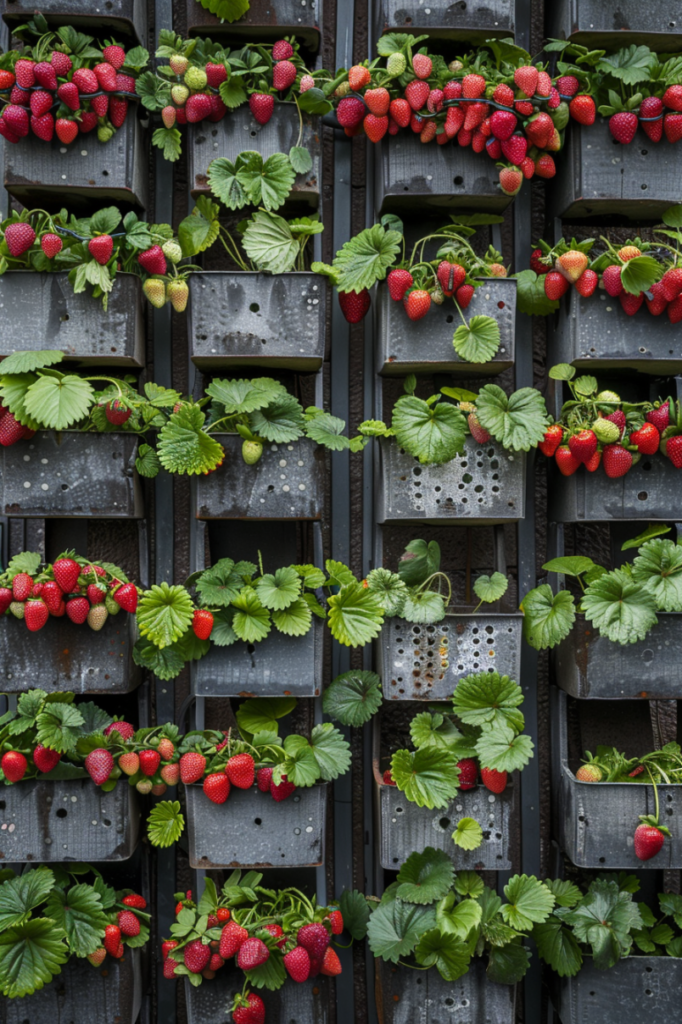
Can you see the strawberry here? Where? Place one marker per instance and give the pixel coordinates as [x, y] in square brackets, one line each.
[387, 778]
[651, 117]
[660, 417]
[672, 97]
[87, 122]
[589, 773]
[281, 791]
[6, 598]
[568, 86]
[473, 86]
[196, 956]
[647, 439]
[297, 963]
[45, 759]
[262, 106]
[400, 111]
[169, 967]
[377, 101]
[422, 65]
[658, 302]
[511, 180]
[252, 953]
[331, 965]
[375, 127]
[170, 773]
[524, 108]
[623, 126]
[217, 787]
[114, 55]
[198, 107]
[586, 284]
[128, 922]
[263, 779]
[673, 449]
[450, 276]
[583, 445]
[503, 94]
[428, 132]
[671, 283]
[314, 938]
[566, 460]
[617, 417]
[112, 940]
[17, 609]
[515, 148]
[398, 282]
[283, 75]
[134, 901]
[192, 767]
[36, 614]
[464, 295]
[628, 252]
[282, 50]
[223, 914]
[675, 310]
[117, 413]
[572, 264]
[61, 62]
[77, 610]
[40, 103]
[19, 237]
[416, 94]
[526, 79]
[474, 115]
[617, 460]
[167, 946]
[232, 937]
[14, 765]
[168, 116]
[118, 109]
[99, 765]
[126, 597]
[544, 84]
[672, 126]
[22, 584]
[536, 263]
[166, 748]
[434, 103]
[149, 762]
[631, 303]
[648, 841]
[101, 248]
[98, 957]
[503, 124]
[553, 438]
[51, 245]
[66, 572]
[454, 119]
[216, 74]
[556, 285]
[611, 280]
[359, 77]
[6, 133]
[106, 76]
[583, 109]
[417, 304]
[66, 130]
[52, 595]
[354, 305]
[153, 260]
[468, 773]
[86, 80]
[493, 780]
[554, 100]
[240, 770]
[349, 113]
[11, 430]
[250, 1011]
[100, 105]
[545, 166]
[479, 434]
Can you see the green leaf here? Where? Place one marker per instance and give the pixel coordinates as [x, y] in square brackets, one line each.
[281, 421]
[500, 749]
[432, 433]
[604, 920]
[279, 590]
[447, 953]
[428, 776]
[425, 877]
[224, 184]
[246, 396]
[80, 914]
[355, 913]
[295, 620]
[653, 530]
[22, 894]
[25, 561]
[147, 462]
[301, 766]
[518, 422]
[419, 561]
[200, 230]
[165, 664]
[170, 141]
[673, 216]
[331, 751]
[586, 386]
[267, 183]
[13, 392]
[558, 948]
[300, 159]
[26, 362]
[468, 834]
[529, 902]
[269, 243]
[59, 403]
[219, 585]
[458, 919]
[31, 954]
[621, 609]
[434, 730]
[547, 617]
[395, 928]
[261, 715]
[487, 698]
[425, 608]
[184, 447]
[507, 965]
[640, 273]
[478, 341]
[353, 698]
[270, 975]
[366, 258]
[231, 92]
[164, 613]
[251, 621]
[59, 726]
[658, 567]
[491, 588]
[566, 894]
[570, 565]
[630, 64]
[530, 294]
[388, 588]
[562, 371]
[165, 823]
[328, 430]
[355, 616]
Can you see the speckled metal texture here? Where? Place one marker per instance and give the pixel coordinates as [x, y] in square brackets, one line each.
[611, 24]
[420, 662]
[588, 665]
[291, 1004]
[423, 997]
[644, 984]
[85, 172]
[65, 656]
[128, 17]
[71, 475]
[276, 667]
[650, 492]
[265, 19]
[409, 171]
[485, 485]
[596, 334]
[239, 131]
[594, 822]
[243, 319]
[287, 483]
[465, 19]
[597, 175]
[67, 821]
[251, 830]
[425, 346]
[41, 311]
[112, 993]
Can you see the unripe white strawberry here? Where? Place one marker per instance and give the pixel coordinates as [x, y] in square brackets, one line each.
[251, 452]
[97, 616]
[180, 94]
[178, 293]
[196, 78]
[179, 64]
[172, 251]
[155, 290]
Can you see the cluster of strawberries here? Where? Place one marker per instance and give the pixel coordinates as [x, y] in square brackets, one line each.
[127, 926]
[155, 766]
[65, 97]
[493, 780]
[451, 281]
[656, 115]
[84, 593]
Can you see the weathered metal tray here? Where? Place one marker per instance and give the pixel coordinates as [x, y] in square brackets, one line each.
[127, 17]
[291, 1004]
[649, 491]
[475, 20]
[637, 983]
[263, 20]
[611, 24]
[406, 996]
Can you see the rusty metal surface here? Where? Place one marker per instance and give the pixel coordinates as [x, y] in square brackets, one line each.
[263, 20]
[71, 475]
[41, 311]
[124, 16]
[475, 20]
[611, 24]
[422, 997]
[291, 1004]
[649, 491]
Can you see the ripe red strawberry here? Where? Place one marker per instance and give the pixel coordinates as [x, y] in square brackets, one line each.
[554, 100]
[282, 50]
[631, 303]
[100, 105]
[568, 86]
[545, 166]
[540, 130]
[192, 767]
[672, 97]
[617, 460]
[24, 71]
[198, 107]
[648, 841]
[149, 762]
[169, 967]
[170, 773]
[473, 86]
[202, 623]
[647, 439]
[658, 302]
[263, 779]
[454, 119]
[416, 94]
[673, 449]
[240, 770]
[660, 417]
[556, 285]
[474, 115]
[85, 80]
[515, 148]
[114, 55]
[66, 130]
[128, 922]
[135, 901]
[400, 111]
[283, 75]
[250, 1012]
[422, 65]
[672, 126]
[553, 438]
[526, 78]
[354, 305]
[583, 109]
[611, 280]
[11, 430]
[22, 584]
[252, 953]
[617, 417]
[217, 787]
[417, 304]
[671, 283]
[387, 778]
[468, 773]
[583, 445]
[223, 914]
[297, 963]
[167, 946]
[196, 956]
[375, 127]
[51, 245]
[349, 113]
[6, 133]
[493, 780]
[586, 284]
[36, 614]
[66, 572]
[503, 124]
[524, 108]
[428, 132]
[398, 282]
[464, 295]
[262, 106]
[45, 759]
[52, 595]
[6, 598]
[40, 102]
[377, 101]
[112, 940]
[117, 413]
[19, 237]
[125, 83]
[101, 248]
[450, 276]
[536, 263]
[314, 938]
[652, 107]
[283, 790]
[61, 62]
[106, 76]
[479, 433]
[99, 765]
[153, 260]
[126, 597]
[566, 460]
[232, 937]
[14, 765]
[674, 310]
[623, 126]
[511, 180]
[88, 121]
[503, 94]
[359, 77]
[77, 610]
[331, 965]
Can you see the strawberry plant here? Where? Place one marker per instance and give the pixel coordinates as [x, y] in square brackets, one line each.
[92, 251]
[48, 915]
[435, 432]
[60, 84]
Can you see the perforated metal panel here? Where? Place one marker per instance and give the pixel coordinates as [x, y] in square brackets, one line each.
[649, 491]
[644, 984]
[291, 1004]
[423, 997]
[426, 662]
[486, 485]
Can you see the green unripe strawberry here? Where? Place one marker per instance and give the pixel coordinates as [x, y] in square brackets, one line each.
[437, 296]
[396, 64]
[608, 396]
[180, 94]
[606, 431]
[155, 290]
[179, 64]
[144, 786]
[112, 606]
[178, 293]
[17, 609]
[195, 78]
[342, 90]
[455, 65]
[105, 132]
[251, 452]
[172, 251]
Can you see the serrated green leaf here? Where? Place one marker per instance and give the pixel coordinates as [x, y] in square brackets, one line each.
[658, 568]
[280, 422]
[22, 894]
[261, 715]
[266, 183]
[491, 588]
[468, 834]
[366, 258]
[184, 447]
[547, 617]
[251, 621]
[224, 184]
[59, 726]
[331, 751]
[487, 698]
[424, 608]
[395, 928]
[562, 371]
[640, 273]
[246, 396]
[80, 914]
[59, 403]
[355, 913]
[389, 589]
[31, 954]
[518, 422]
[300, 159]
[269, 243]
[26, 362]
[165, 823]
[328, 430]
[569, 565]
[427, 776]
[558, 948]
[355, 616]
[164, 614]
[169, 140]
[419, 561]
[477, 341]
[434, 434]
[529, 902]
[270, 975]
[295, 620]
[353, 698]
[620, 608]
[447, 953]
[25, 561]
[501, 749]
[166, 664]
[279, 590]
[508, 964]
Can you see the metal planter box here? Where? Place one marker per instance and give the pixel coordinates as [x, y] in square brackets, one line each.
[80, 991]
[291, 1004]
[243, 319]
[45, 821]
[406, 996]
[71, 475]
[251, 830]
[485, 485]
[84, 174]
[410, 174]
[239, 131]
[65, 656]
[594, 822]
[610, 24]
[588, 665]
[597, 176]
[127, 17]
[596, 334]
[465, 19]
[650, 491]
[278, 666]
[637, 983]
[287, 483]
[40, 311]
[426, 662]
[264, 19]
[425, 346]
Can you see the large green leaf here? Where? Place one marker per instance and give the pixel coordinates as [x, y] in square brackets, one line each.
[251, 621]
[630, 64]
[447, 953]
[58, 403]
[270, 975]
[508, 964]
[499, 748]
[419, 561]
[26, 362]
[280, 422]
[620, 608]
[261, 715]
[547, 617]
[477, 341]
[353, 697]
[355, 912]
[165, 823]
[59, 726]
[220, 584]
[487, 698]
[658, 567]
[640, 273]
[245, 396]
[79, 913]
[279, 590]
[388, 588]
[434, 730]
[355, 615]
[30, 955]
[225, 185]
[468, 834]
[164, 614]
[295, 620]
[428, 776]
[491, 588]
[269, 243]
[328, 430]
[432, 433]
[518, 422]
[266, 182]
[300, 766]
[20, 895]
[184, 447]
[605, 920]
[425, 877]
[395, 928]
[366, 258]
[458, 919]
[200, 230]
[529, 902]
[558, 948]
[331, 751]
[425, 607]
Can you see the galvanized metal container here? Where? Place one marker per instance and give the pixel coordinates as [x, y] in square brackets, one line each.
[485, 485]
[291, 1004]
[64, 656]
[71, 475]
[127, 17]
[287, 483]
[80, 991]
[239, 131]
[649, 984]
[263, 20]
[84, 174]
[278, 666]
[588, 665]
[420, 662]
[422, 997]
[425, 346]
[649, 491]
[43, 821]
[41, 311]
[243, 319]
[596, 334]
[474, 20]
[594, 822]
[597, 176]
[251, 830]
[610, 24]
